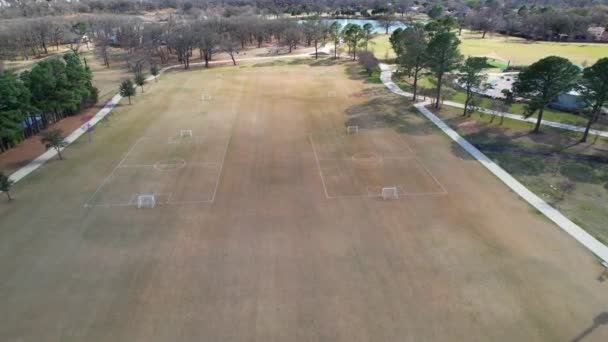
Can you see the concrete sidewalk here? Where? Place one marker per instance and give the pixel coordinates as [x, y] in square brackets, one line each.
[518, 117]
[551, 213]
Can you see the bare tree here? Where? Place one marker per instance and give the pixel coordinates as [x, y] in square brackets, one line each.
[315, 32]
[154, 38]
[41, 30]
[368, 61]
[230, 46]
[104, 33]
[386, 22]
[182, 41]
[293, 35]
[129, 37]
[207, 39]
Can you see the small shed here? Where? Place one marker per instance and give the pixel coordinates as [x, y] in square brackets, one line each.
[567, 101]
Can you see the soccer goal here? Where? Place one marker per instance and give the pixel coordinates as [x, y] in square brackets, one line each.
[331, 94]
[185, 133]
[146, 201]
[352, 129]
[390, 193]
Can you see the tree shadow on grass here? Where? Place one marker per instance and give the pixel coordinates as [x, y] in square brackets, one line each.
[388, 112]
[357, 73]
[526, 160]
[277, 62]
[460, 152]
[326, 62]
[319, 62]
[300, 61]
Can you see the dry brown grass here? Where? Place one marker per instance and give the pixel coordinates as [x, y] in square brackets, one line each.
[271, 257]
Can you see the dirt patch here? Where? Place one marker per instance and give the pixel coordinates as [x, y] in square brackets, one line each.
[31, 148]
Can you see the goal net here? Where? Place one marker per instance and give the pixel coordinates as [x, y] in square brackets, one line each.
[146, 201]
[352, 129]
[390, 193]
[185, 133]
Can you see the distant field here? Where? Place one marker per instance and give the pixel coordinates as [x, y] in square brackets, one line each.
[517, 50]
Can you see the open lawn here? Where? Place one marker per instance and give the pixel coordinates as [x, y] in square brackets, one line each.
[268, 225]
[517, 50]
[459, 96]
[543, 162]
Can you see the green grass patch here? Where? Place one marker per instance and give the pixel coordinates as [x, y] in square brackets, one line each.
[542, 162]
[549, 114]
[516, 50]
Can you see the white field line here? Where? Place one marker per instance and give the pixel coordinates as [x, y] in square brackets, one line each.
[235, 113]
[368, 195]
[86, 204]
[314, 150]
[551, 213]
[219, 174]
[192, 164]
[130, 203]
[121, 164]
[51, 153]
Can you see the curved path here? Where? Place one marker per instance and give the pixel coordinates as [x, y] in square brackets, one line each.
[551, 213]
[518, 117]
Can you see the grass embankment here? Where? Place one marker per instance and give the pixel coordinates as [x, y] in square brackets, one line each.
[544, 162]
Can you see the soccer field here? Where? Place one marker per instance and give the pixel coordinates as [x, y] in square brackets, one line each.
[269, 225]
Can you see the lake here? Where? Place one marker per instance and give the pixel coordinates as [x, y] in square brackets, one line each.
[361, 22]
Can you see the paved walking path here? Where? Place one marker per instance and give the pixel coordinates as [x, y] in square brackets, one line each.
[553, 214]
[517, 117]
[532, 120]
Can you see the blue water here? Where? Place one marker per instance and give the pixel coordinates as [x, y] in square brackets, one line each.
[361, 22]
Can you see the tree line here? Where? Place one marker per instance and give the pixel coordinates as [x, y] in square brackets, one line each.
[34, 99]
[57, 87]
[433, 49]
[148, 43]
[546, 20]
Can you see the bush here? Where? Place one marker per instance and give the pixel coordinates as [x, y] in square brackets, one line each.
[368, 61]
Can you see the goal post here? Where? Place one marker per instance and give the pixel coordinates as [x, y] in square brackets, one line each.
[353, 129]
[390, 193]
[185, 133]
[146, 201]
